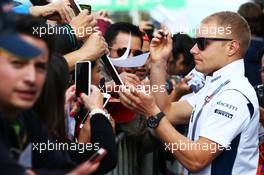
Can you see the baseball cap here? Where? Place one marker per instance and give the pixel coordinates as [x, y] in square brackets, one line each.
[12, 42]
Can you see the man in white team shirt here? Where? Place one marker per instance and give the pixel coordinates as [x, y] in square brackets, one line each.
[223, 116]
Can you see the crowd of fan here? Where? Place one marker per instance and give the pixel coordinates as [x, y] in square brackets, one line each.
[38, 103]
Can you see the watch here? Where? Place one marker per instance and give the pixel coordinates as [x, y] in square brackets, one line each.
[153, 121]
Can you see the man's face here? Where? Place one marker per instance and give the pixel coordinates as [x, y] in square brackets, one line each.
[22, 80]
[176, 67]
[121, 42]
[214, 56]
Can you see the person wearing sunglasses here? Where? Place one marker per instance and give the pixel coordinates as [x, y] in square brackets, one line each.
[117, 36]
[223, 116]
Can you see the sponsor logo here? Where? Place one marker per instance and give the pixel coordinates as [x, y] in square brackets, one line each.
[227, 105]
[223, 113]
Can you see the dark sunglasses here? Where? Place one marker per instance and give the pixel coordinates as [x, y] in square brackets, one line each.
[121, 51]
[202, 42]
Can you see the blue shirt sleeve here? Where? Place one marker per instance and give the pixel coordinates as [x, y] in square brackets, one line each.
[22, 9]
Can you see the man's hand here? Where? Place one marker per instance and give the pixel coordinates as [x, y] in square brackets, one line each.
[139, 102]
[130, 79]
[83, 25]
[160, 46]
[94, 100]
[94, 47]
[180, 89]
[60, 7]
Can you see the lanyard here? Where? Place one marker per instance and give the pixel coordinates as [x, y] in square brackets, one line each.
[206, 101]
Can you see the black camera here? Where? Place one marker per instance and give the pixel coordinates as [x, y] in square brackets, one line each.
[260, 94]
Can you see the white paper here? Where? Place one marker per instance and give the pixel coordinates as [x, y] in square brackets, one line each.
[126, 54]
[125, 61]
[136, 61]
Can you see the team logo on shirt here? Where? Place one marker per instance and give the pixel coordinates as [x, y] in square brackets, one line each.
[227, 105]
[223, 113]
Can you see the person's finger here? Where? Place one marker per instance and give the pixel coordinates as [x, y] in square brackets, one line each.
[132, 96]
[103, 13]
[155, 41]
[71, 89]
[69, 12]
[186, 79]
[131, 79]
[128, 103]
[123, 98]
[83, 97]
[74, 109]
[130, 83]
[169, 38]
[65, 12]
[61, 13]
[90, 18]
[70, 96]
[107, 51]
[158, 34]
[105, 45]
[93, 23]
[133, 76]
[93, 166]
[84, 12]
[102, 37]
[99, 33]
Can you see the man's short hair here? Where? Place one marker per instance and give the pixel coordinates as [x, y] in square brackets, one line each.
[253, 14]
[239, 27]
[182, 44]
[123, 27]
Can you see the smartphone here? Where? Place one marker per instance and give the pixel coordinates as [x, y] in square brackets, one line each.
[87, 7]
[96, 157]
[111, 70]
[75, 6]
[83, 77]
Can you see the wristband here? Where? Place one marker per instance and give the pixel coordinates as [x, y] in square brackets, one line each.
[99, 111]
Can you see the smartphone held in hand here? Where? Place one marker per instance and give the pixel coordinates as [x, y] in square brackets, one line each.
[83, 77]
[96, 157]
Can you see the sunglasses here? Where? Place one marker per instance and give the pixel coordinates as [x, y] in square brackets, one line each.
[202, 42]
[121, 51]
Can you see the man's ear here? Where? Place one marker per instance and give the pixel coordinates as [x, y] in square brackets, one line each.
[233, 47]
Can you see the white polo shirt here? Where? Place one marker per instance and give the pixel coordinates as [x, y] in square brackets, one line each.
[230, 119]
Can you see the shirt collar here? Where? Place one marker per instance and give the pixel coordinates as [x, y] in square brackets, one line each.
[234, 68]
